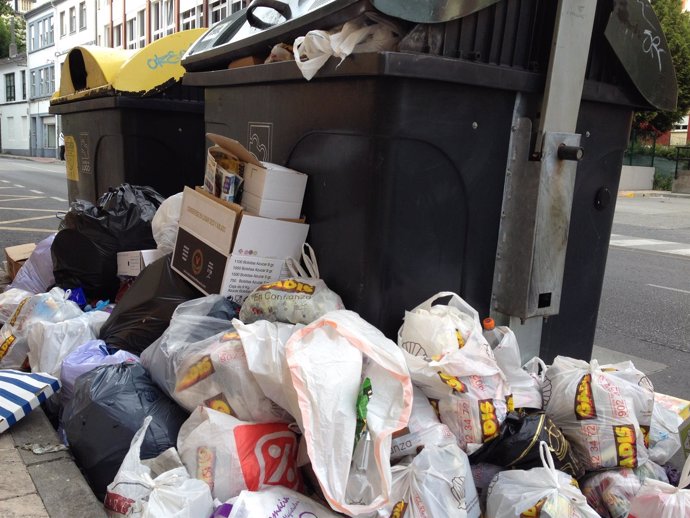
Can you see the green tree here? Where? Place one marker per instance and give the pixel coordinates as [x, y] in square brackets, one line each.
[6, 28]
[676, 25]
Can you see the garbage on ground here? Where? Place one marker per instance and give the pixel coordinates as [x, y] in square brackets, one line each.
[164, 224]
[21, 393]
[662, 500]
[49, 307]
[157, 487]
[85, 250]
[36, 272]
[232, 455]
[9, 300]
[274, 500]
[144, 312]
[130, 264]
[16, 257]
[539, 491]
[50, 343]
[108, 406]
[42, 449]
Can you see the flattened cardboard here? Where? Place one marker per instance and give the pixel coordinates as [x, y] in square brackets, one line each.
[16, 256]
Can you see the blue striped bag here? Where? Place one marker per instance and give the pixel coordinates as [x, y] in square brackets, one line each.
[21, 392]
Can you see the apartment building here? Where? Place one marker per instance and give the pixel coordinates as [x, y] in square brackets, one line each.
[14, 122]
[54, 27]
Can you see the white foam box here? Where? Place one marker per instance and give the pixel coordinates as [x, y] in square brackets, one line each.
[131, 263]
[221, 249]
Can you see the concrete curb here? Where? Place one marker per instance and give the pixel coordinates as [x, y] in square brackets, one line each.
[40, 159]
[652, 194]
[55, 476]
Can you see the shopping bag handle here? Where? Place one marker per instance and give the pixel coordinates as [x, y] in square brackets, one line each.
[282, 9]
[311, 267]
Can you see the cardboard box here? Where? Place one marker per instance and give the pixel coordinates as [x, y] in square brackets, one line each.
[270, 190]
[131, 263]
[223, 173]
[221, 249]
[16, 256]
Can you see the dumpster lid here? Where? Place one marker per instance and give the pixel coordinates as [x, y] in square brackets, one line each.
[90, 70]
[639, 43]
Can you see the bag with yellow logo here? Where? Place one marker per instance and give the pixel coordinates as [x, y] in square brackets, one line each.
[451, 361]
[537, 493]
[330, 361]
[437, 482]
[660, 500]
[298, 300]
[604, 411]
[199, 360]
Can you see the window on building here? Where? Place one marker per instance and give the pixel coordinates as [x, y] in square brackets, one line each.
[117, 36]
[41, 34]
[156, 21]
[33, 44]
[188, 19]
[82, 16]
[72, 19]
[219, 10]
[50, 39]
[42, 81]
[106, 33]
[49, 135]
[131, 34]
[9, 87]
[63, 27]
[141, 23]
[169, 16]
[23, 84]
[33, 76]
[236, 5]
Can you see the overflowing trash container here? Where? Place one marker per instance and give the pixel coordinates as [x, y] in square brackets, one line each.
[127, 118]
[236, 375]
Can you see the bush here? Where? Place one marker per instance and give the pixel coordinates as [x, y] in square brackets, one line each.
[662, 182]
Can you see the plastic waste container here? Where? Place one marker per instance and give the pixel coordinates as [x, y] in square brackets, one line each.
[408, 157]
[127, 118]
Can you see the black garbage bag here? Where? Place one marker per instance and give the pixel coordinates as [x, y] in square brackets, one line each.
[517, 445]
[85, 250]
[108, 407]
[146, 308]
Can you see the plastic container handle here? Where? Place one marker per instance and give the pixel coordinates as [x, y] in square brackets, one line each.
[282, 9]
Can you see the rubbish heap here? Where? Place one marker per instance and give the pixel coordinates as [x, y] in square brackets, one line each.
[227, 379]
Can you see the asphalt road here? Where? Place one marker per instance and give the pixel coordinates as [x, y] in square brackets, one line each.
[645, 305]
[32, 195]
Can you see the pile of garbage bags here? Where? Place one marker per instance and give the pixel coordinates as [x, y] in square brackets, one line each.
[174, 404]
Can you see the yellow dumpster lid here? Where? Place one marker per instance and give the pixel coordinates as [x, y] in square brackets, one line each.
[90, 70]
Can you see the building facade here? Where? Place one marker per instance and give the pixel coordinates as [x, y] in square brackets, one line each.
[54, 27]
[14, 119]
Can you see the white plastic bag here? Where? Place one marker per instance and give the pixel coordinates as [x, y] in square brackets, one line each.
[664, 439]
[451, 361]
[604, 411]
[297, 300]
[50, 343]
[165, 223]
[525, 389]
[138, 491]
[264, 347]
[328, 360]
[313, 50]
[44, 307]
[544, 492]
[278, 502]
[231, 455]
[36, 274]
[660, 500]
[438, 482]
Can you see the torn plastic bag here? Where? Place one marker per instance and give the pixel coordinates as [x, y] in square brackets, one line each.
[50, 343]
[660, 500]
[85, 358]
[231, 455]
[609, 492]
[43, 307]
[9, 300]
[145, 310]
[437, 482]
[108, 407]
[451, 361]
[211, 371]
[330, 361]
[138, 491]
[544, 492]
[36, 274]
[119, 221]
[276, 500]
[604, 411]
[264, 347]
[296, 300]
[423, 429]
[518, 442]
[166, 222]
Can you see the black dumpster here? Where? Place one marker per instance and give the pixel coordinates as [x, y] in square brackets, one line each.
[407, 153]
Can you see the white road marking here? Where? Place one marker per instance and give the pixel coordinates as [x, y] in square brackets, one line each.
[22, 220]
[15, 197]
[5, 181]
[669, 289]
[20, 186]
[27, 209]
[35, 192]
[25, 229]
[650, 245]
[58, 199]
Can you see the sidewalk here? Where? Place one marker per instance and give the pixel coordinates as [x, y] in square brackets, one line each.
[652, 194]
[41, 486]
[41, 159]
